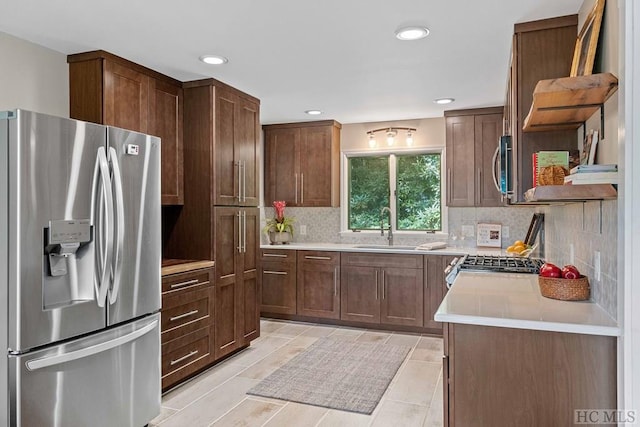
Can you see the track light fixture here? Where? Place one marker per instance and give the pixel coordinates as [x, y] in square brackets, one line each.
[391, 134]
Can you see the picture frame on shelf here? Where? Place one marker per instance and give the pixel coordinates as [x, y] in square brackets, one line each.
[585, 51]
[489, 235]
[589, 146]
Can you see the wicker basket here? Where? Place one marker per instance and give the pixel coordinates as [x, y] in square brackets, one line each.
[565, 289]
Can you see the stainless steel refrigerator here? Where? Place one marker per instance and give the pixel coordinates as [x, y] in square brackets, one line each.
[80, 255]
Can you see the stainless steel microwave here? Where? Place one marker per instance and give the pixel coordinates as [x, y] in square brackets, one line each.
[503, 167]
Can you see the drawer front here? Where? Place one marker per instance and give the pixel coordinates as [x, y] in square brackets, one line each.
[319, 257]
[190, 280]
[278, 255]
[185, 355]
[382, 260]
[185, 308]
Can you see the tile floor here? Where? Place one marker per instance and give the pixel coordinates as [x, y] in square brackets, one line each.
[218, 396]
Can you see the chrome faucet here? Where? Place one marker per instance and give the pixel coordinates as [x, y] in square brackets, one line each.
[382, 211]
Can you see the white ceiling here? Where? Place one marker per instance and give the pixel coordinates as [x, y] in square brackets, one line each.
[339, 56]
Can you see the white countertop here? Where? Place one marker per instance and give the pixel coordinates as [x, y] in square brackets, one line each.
[399, 249]
[514, 301]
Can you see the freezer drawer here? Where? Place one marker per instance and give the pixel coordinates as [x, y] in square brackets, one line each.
[107, 379]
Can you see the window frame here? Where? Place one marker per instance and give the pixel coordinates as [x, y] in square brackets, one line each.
[344, 196]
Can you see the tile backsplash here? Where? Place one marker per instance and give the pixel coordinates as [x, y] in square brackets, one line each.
[323, 225]
[590, 227]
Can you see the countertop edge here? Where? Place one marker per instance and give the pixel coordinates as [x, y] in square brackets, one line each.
[186, 266]
[348, 247]
[573, 328]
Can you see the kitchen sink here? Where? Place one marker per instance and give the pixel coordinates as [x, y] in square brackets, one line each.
[385, 247]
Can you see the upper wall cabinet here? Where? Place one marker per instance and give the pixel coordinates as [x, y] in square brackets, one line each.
[541, 50]
[302, 163]
[110, 90]
[471, 142]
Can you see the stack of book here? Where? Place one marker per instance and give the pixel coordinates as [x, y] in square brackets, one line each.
[592, 174]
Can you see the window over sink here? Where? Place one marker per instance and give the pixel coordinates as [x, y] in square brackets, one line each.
[410, 184]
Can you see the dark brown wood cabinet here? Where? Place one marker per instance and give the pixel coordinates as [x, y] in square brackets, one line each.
[302, 163]
[318, 284]
[236, 149]
[278, 273]
[471, 141]
[435, 288]
[187, 324]
[501, 376]
[541, 50]
[110, 90]
[237, 286]
[385, 289]
[220, 163]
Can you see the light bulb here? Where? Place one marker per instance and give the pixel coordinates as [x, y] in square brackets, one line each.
[372, 141]
[409, 138]
[389, 139]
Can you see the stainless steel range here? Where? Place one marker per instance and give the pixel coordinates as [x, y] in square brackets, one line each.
[493, 264]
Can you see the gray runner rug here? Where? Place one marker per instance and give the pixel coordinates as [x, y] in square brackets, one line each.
[337, 374]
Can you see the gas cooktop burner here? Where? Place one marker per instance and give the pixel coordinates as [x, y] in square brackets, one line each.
[502, 264]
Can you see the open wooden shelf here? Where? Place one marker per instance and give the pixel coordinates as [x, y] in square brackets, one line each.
[566, 103]
[571, 193]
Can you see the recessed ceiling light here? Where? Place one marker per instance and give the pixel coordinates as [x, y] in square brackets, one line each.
[213, 59]
[443, 100]
[313, 112]
[412, 33]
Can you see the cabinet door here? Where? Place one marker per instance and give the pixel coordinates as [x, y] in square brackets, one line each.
[228, 283]
[227, 170]
[460, 161]
[166, 106]
[435, 287]
[315, 166]
[281, 174]
[126, 98]
[488, 129]
[360, 293]
[402, 297]
[246, 150]
[278, 287]
[249, 274]
[319, 284]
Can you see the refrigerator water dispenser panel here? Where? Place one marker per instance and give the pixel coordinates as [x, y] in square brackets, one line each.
[63, 240]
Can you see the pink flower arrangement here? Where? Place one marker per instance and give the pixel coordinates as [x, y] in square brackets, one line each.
[279, 207]
[280, 223]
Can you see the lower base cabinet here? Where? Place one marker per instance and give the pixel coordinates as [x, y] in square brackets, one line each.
[435, 288]
[278, 275]
[518, 377]
[187, 324]
[318, 284]
[385, 289]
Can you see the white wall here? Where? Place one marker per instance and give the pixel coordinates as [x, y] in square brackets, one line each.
[33, 77]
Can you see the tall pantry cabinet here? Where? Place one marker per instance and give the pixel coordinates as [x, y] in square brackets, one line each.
[220, 219]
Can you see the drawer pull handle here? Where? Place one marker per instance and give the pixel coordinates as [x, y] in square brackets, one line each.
[182, 316]
[282, 273]
[187, 283]
[317, 257]
[186, 356]
[275, 255]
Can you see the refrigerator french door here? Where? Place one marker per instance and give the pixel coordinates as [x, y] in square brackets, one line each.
[80, 282]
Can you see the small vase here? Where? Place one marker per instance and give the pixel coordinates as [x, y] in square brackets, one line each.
[279, 237]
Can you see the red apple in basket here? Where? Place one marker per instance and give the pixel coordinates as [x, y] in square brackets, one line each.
[550, 270]
[570, 272]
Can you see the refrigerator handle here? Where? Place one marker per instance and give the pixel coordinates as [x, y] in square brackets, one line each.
[116, 268]
[45, 362]
[103, 224]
